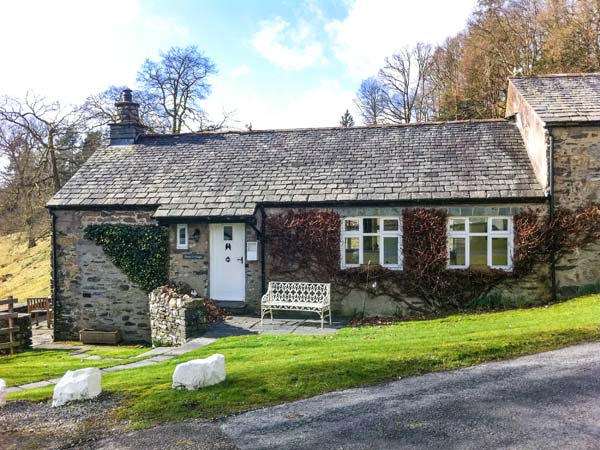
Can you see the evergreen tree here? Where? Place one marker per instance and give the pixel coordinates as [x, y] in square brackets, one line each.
[347, 120]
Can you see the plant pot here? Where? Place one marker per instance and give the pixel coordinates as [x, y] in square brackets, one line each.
[100, 337]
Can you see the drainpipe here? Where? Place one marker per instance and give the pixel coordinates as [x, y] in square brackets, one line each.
[552, 214]
[263, 271]
[54, 276]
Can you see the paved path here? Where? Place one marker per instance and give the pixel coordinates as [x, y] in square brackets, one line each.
[545, 401]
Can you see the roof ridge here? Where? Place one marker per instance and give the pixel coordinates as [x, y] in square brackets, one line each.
[361, 127]
[556, 75]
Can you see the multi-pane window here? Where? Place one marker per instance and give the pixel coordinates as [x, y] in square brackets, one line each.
[182, 236]
[480, 242]
[374, 240]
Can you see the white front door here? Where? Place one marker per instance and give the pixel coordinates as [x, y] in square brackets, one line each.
[227, 261]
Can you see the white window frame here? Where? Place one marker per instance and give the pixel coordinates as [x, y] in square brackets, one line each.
[360, 234]
[466, 234]
[185, 245]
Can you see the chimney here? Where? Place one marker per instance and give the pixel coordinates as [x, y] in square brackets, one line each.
[128, 127]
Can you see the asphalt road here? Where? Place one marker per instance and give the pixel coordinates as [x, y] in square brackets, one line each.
[545, 401]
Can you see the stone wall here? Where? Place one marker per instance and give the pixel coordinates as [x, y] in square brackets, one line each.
[22, 335]
[91, 291]
[191, 265]
[576, 185]
[175, 318]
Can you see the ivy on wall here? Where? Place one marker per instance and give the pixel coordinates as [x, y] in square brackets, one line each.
[305, 246]
[140, 251]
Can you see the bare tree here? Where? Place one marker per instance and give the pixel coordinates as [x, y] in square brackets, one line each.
[180, 81]
[99, 109]
[46, 123]
[24, 183]
[371, 101]
[346, 121]
[404, 76]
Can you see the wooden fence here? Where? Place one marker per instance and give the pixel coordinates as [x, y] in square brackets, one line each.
[8, 335]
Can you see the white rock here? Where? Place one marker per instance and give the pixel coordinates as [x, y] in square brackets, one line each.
[3, 391]
[79, 384]
[200, 373]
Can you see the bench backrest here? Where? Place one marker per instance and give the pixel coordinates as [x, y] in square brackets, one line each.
[38, 303]
[285, 291]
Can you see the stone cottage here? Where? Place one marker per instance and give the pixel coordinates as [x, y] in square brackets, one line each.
[215, 192]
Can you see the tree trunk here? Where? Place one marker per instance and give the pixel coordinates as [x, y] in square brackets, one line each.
[53, 162]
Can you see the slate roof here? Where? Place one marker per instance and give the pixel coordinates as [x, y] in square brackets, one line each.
[228, 174]
[562, 98]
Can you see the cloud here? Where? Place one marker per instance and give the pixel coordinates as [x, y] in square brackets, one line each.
[240, 71]
[290, 48]
[68, 49]
[318, 106]
[374, 29]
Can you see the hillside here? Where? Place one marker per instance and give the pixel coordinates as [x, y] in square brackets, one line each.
[24, 272]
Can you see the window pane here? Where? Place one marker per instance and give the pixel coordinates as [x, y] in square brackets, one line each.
[390, 250]
[457, 224]
[457, 252]
[499, 224]
[352, 250]
[478, 251]
[351, 224]
[371, 249]
[370, 225]
[182, 233]
[227, 233]
[478, 225]
[500, 252]
[390, 225]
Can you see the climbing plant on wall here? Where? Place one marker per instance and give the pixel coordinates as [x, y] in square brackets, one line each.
[140, 251]
[304, 245]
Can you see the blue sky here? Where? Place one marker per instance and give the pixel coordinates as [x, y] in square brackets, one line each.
[282, 64]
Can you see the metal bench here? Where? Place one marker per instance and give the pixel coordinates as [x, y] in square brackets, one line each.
[294, 296]
[37, 305]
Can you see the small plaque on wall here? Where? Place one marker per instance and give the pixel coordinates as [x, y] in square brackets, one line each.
[193, 256]
[251, 251]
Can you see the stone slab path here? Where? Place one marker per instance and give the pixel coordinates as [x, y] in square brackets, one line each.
[232, 326]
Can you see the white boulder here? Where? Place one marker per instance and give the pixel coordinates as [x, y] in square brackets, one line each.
[200, 373]
[3, 391]
[75, 385]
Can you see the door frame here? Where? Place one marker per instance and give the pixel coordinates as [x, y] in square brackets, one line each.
[211, 254]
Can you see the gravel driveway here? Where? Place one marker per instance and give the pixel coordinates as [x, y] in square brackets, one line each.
[545, 401]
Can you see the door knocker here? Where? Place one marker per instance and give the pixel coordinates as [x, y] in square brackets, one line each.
[228, 246]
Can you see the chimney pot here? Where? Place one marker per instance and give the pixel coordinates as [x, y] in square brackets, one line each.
[128, 127]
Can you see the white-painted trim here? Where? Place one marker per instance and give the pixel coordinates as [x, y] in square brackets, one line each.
[360, 234]
[489, 233]
[184, 245]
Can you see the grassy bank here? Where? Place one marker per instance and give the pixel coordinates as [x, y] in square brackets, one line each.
[24, 272]
[265, 370]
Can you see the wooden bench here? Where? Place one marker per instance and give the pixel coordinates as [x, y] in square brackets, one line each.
[37, 305]
[12, 328]
[294, 296]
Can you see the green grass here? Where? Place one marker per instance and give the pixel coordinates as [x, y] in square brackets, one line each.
[265, 370]
[24, 272]
[38, 365]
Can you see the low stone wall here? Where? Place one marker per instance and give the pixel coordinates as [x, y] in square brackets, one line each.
[175, 318]
[23, 335]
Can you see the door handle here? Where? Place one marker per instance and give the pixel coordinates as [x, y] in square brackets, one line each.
[241, 260]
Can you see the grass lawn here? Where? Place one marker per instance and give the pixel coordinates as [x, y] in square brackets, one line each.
[24, 272]
[265, 370]
[37, 365]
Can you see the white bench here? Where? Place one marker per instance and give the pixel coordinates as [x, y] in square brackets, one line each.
[286, 296]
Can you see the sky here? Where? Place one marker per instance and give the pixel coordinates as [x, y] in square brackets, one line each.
[281, 64]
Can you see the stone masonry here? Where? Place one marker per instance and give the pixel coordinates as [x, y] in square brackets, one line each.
[175, 318]
[91, 292]
[576, 185]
